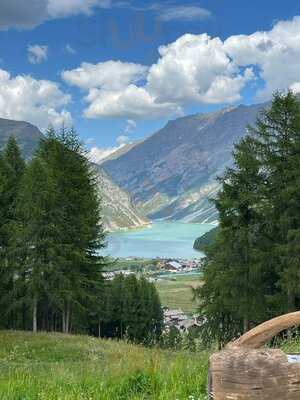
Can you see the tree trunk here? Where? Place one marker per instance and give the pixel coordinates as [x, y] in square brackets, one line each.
[34, 315]
[63, 321]
[67, 318]
[99, 328]
[245, 325]
[291, 300]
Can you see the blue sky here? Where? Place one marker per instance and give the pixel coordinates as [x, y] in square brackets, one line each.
[126, 88]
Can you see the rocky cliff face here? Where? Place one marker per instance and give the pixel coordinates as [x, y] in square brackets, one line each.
[171, 175]
[117, 208]
[118, 211]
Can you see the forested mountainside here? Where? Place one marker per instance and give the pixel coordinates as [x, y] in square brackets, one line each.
[172, 173]
[118, 211]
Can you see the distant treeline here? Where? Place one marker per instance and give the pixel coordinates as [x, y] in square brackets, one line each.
[50, 237]
[206, 239]
[252, 270]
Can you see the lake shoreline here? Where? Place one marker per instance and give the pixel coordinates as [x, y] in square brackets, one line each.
[160, 240]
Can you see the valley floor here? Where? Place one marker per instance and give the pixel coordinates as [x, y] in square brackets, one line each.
[58, 367]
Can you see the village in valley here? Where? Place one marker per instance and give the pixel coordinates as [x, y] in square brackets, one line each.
[165, 272]
[153, 269]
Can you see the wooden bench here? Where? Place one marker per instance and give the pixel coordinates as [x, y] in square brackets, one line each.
[245, 371]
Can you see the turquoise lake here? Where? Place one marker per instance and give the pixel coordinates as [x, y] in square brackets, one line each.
[161, 239]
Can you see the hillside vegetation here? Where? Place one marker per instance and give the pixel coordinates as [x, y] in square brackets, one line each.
[205, 240]
[60, 367]
[65, 367]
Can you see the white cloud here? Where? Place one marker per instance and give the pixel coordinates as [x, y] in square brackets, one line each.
[122, 140]
[26, 14]
[295, 87]
[195, 69]
[98, 154]
[40, 102]
[69, 49]
[276, 53]
[113, 90]
[130, 126]
[183, 13]
[109, 75]
[132, 102]
[37, 54]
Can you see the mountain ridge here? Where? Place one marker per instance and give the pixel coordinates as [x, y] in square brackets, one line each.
[118, 210]
[172, 174]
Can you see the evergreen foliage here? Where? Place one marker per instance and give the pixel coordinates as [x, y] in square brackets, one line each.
[205, 240]
[50, 235]
[12, 168]
[133, 310]
[252, 269]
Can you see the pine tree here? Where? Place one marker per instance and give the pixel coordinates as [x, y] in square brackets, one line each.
[252, 270]
[81, 233]
[277, 137]
[35, 237]
[12, 167]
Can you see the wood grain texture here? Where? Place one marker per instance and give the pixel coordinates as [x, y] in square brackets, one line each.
[244, 372]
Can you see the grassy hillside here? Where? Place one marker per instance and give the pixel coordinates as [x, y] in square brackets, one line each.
[58, 367]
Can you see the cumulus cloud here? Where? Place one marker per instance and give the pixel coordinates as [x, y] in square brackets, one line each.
[183, 13]
[132, 102]
[27, 14]
[195, 69]
[40, 102]
[276, 53]
[114, 89]
[37, 54]
[110, 75]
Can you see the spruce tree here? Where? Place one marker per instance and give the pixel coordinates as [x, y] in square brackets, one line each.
[277, 138]
[252, 269]
[80, 230]
[12, 167]
[35, 238]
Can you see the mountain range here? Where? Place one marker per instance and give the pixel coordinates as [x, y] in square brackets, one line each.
[118, 210]
[171, 175]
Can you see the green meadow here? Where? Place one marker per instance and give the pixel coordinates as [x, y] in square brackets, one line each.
[177, 293]
[47, 366]
[60, 367]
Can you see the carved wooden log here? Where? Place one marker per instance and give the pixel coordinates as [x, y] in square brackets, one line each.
[244, 372]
